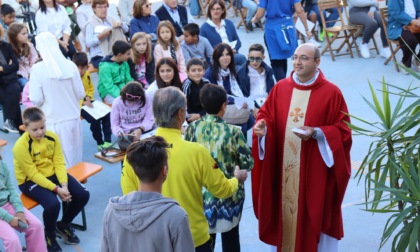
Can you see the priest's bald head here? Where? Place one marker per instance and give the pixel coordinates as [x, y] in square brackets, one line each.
[306, 60]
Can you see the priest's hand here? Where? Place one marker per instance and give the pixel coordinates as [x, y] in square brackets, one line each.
[241, 175]
[260, 128]
[309, 133]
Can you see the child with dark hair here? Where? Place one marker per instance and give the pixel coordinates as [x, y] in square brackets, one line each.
[7, 17]
[41, 174]
[256, 78]
[155, 223]
[191, 88]
[81, 61]
[114, 72]
[196, 46]
[132, 112]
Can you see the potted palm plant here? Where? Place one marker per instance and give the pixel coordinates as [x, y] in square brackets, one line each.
[391, 168]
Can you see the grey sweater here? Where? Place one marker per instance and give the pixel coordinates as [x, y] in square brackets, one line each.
[145, 221]
[373, 4]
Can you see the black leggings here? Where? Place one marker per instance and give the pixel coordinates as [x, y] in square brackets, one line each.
[409, 42]
[230, 240]
[9, 98]
[49, 201]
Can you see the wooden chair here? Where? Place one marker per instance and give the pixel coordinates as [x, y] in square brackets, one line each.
[348, 32]
[203, 5]
[81, 172]
[359, 32]
[394, 45]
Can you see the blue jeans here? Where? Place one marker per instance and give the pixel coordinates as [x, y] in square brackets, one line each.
[314, 7]
[22, 82]
[252, 9]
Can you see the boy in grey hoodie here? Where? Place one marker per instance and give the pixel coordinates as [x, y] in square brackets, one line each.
[145, 220]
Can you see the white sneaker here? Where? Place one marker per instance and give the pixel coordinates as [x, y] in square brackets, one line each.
[415, 64]
[314, 42]
[385, 52]
[364, 50]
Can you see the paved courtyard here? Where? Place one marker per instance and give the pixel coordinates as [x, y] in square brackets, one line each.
[362, 229]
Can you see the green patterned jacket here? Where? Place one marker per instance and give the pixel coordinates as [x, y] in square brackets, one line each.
[227, 145]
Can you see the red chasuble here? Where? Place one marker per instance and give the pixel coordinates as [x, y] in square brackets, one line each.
[317, 191]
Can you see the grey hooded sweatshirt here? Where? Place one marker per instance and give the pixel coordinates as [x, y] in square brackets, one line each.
[145, 221]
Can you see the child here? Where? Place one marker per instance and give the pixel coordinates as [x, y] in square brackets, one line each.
[142, 65]
[12, 212]
[81, 61]
[195, 46]
[24, 50]
[114, 72]
[132, 112]
[168, 46]
[41, 175]
[192, 87]
[7, 18]
[155, 223]
[255, 77]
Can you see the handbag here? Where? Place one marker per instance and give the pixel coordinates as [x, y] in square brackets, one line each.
[235, 116]
[124, 141]
[413, 28]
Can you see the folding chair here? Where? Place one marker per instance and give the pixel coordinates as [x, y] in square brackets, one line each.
[203, 5]
[348, 31]
[391, 43]
[359, 32]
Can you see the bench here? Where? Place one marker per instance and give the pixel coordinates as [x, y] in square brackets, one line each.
[81, 172]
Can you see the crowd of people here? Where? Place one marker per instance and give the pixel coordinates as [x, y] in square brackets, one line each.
[163, 71]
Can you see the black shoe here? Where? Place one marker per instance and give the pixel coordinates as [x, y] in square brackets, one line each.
[52, 244]
[249, 26]
[10, 126]
[66, 232]
[258, 24]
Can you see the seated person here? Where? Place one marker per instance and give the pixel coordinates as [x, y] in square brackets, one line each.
[312, 6]
[178, 15]
[196, 46]
[41, 174]
[222, 72]
[143, 20]
[251, 9]
[132, 112]
[191, 88]
[81, 61]
[7, 17]
[218, 29]
[256, 78]
[114, 72]
[101, 31]
[141, 62]
[167, 226]
[11, 213]
[83, 13]
[366, 13]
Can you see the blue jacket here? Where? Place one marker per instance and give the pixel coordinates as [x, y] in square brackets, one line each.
[244, 82]
[214, 38]
[397, 18]
[226, 81]
[145, 24]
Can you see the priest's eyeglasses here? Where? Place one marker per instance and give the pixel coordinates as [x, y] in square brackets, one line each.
[257, 59]
[302, 58]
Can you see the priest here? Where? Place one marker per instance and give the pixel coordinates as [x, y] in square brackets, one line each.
[301, 147]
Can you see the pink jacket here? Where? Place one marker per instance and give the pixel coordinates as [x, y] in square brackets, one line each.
[26, 63]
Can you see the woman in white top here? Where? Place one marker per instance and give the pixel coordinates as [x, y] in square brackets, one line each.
[52, 17]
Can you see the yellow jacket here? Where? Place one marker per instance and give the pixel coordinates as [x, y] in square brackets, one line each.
[88, 86]
[36, 160]
[190, 168]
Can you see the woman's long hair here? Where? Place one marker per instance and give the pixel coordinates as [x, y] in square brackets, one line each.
[43, 7]
[217, 54]
[13, 32]
[176, 81]
[174, 41]
[135, 55]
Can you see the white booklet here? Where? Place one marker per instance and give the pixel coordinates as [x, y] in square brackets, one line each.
[100, 28]
[99, 109]
[301, 28]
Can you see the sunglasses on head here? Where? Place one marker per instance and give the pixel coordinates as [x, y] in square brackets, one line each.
[132, 97]
[258, 59]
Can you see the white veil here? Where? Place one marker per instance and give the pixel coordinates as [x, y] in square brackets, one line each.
[57, 66]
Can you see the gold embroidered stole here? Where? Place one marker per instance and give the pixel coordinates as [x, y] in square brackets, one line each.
[291, 168]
